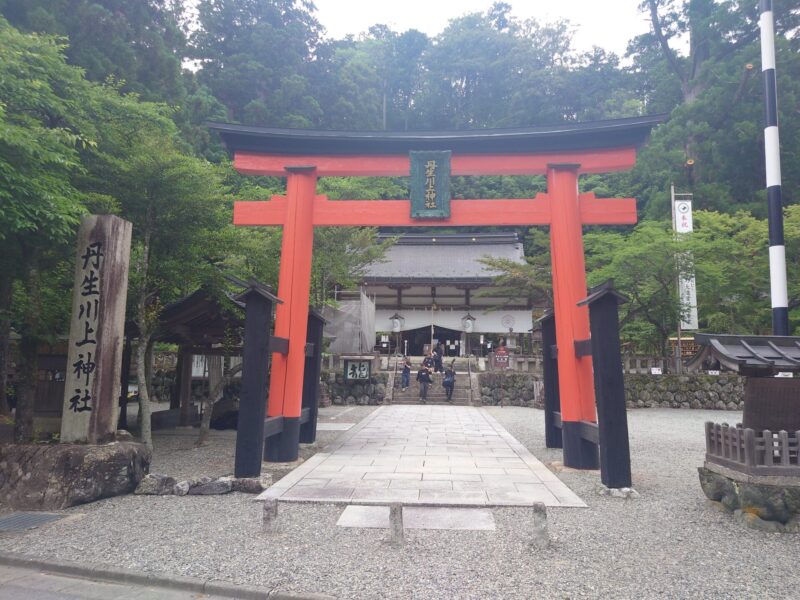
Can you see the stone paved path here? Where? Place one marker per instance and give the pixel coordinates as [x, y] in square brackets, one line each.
[431, 455]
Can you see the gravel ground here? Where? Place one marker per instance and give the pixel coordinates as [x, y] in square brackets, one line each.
[667, 544]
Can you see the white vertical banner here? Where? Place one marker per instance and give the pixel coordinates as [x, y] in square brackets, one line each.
[687, 287]
[683, 216]
[688, 295]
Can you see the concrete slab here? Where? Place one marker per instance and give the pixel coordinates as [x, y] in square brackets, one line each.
[419, 517]
[430, 455]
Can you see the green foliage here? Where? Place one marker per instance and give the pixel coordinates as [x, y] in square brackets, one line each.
[135, 42]
[727, 254]
[340, 256]
[254, 57]
[40, 133]
[68, 145]
[529, 281]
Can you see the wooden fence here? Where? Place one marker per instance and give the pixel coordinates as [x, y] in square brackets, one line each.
[764, 453]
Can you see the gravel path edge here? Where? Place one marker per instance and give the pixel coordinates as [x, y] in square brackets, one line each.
[133, 577]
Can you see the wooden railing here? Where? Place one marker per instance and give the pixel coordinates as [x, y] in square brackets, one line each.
[765, 453]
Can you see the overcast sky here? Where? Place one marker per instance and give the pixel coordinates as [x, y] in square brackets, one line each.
[595, 22]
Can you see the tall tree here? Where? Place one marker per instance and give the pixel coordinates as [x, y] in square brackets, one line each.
[712, 144]
[173, 202]
[253, 56]
[715, 31]
[137, 42]
[41, 130]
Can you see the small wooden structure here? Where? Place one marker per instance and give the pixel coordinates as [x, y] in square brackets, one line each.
[766, 443]
[204, 324]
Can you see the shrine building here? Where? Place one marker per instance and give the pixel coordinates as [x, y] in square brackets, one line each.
[435, 287]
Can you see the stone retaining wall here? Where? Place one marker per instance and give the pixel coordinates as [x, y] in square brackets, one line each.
[334, 389]
[712, 392]
[510, 389]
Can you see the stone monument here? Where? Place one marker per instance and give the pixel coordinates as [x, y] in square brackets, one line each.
[96, 330]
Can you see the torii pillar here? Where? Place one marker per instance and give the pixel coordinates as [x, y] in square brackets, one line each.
[575, 375]
[291, 317]
[561, 154]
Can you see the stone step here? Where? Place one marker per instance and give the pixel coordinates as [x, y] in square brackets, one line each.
[431, 402]
[435, 396]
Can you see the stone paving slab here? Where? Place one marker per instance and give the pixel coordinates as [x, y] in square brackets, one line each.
[334, 426]
[419, 517]
[430, 455]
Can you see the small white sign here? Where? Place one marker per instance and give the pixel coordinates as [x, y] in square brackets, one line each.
[713, 372]
[655, 371]
[683, 216]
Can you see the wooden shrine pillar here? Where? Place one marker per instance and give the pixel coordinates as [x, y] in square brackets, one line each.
[184, 375]
[552, 404]
[575, 383]
[311, 374]
[255, 371]
[125, 372]
[609, 385]
[175, 392]
[291, 318]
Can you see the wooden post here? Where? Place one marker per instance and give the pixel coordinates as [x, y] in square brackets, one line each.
[552, 403]
[609, 386]
[313, 368]
[749, 447]
[572, 321]
[127, 355]
[175, 395]
[291, 318]
[91, 393]
[255, 370]
[185, 386]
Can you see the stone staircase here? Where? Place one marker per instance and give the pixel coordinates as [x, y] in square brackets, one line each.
[436, 392]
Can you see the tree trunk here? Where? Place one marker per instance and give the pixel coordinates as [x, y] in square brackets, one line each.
[143, 320]
[29, 355]
[149, 374]
[214, 393]
[6, 287]
[145, 432]
[215, 386]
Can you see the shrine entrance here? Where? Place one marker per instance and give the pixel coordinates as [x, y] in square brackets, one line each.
[561, 153]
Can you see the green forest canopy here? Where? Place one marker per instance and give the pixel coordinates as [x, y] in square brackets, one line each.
[89, 88]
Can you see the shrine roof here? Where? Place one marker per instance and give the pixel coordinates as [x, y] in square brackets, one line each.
[617, 133]
[444, 258]
[750, 354]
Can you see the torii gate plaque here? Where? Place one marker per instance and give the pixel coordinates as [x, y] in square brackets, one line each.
[561, 153]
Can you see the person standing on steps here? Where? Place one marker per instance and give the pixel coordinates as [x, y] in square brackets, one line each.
[449, 382]
[405, 376]
[437, 360]
[424, 378]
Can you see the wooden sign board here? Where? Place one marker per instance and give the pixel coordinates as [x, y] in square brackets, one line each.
[357, 370]
[430, 185]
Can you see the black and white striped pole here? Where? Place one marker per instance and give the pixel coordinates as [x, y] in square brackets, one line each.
[777, 250]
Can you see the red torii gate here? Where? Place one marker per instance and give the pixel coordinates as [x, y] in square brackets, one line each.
[561, 153]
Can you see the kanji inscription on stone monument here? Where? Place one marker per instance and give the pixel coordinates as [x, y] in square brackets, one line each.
[96, 330]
